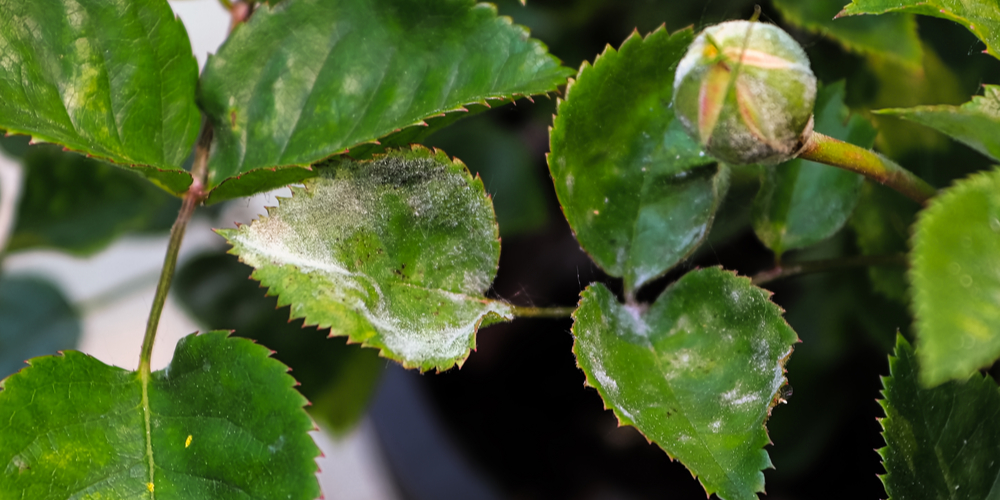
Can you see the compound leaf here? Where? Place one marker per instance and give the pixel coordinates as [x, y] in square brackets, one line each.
[35, 319]
[940, 442]
[981, 18]
[338, 379]
[975, 123]
[800, 202]
[307, 79]
[79, 205]
[956, 280]
[395, 253]
[697, 373]
[892, 36]
[222, 421]
[112, 79]
[637, 191]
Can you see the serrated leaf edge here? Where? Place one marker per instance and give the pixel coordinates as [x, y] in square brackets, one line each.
[624, 421]
[501, 310]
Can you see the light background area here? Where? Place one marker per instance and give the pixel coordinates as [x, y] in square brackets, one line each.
[113, 323]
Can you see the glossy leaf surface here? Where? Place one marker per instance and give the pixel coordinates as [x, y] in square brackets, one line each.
[697, 373]
[35, 319]
[975, 123]
[981, 18]
[801, 203]
[79, 205]
[940, 442]
[956, 280]
[111, 79]
[394, 253]
[637, 191]
[307, 79]
[892, 36]
[338, 379]
[222, 421]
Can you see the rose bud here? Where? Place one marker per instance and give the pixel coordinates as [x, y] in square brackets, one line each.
[745, 92]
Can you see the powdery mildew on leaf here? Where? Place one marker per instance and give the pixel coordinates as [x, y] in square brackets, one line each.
[395, 253]
[697, 372]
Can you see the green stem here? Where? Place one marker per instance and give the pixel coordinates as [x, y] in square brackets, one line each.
[817, 266]
[194, 196]
[227, 4]
[823, 149]
[543, 312]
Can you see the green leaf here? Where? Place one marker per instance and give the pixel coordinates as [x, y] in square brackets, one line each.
[637, 191]
[981, 18]
[941, 442]
[113, 80]
[697, 372]
[338, 379]
[508, 170]
[79, 205]
[975, 123]
[394, 253]
[35, 319]
[800, 202]
[956, 280]
[892, 36]
[221, 422]
[308, 79]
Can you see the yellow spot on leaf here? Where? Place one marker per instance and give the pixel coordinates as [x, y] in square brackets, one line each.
[188, 441]
[149, 486]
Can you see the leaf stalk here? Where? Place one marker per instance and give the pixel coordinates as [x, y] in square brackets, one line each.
[194, 196]
[827, 150]
[543, 312]
[780, 272]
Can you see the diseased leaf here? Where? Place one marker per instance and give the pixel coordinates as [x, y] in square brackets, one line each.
[892, 36]
[975, 123]
[395, 253]
[940, 442]
[697, 372]
[637, 191]
[801, 203]
[35, 319]
[956, 280]
[308, 79]
[338, 379]
[508, 170]
[114, 80]
[981, 18]
[79, 205]
[221, 422]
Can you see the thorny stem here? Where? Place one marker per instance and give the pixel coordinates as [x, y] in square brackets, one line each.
[817, 266]
[543, 312]
[194, 196]
[823, 149]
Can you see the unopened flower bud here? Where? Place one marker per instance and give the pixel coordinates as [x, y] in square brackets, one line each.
[745, 91]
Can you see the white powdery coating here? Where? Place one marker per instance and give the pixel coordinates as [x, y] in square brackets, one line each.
[304, 232]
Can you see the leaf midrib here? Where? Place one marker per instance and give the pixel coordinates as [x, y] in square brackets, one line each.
[144, 382]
